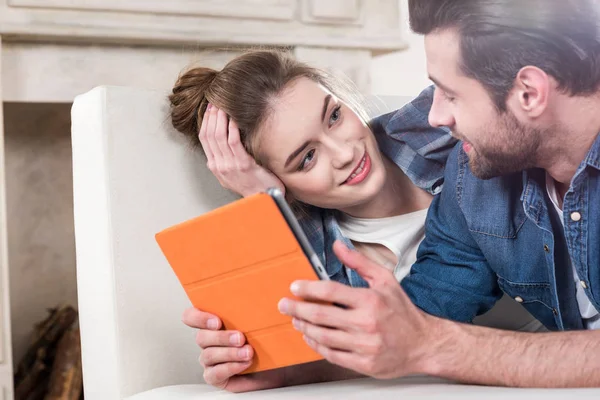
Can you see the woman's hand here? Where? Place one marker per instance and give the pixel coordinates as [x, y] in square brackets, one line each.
[226, 354]
[227, 158]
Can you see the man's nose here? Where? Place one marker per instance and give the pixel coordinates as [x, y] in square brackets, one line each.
[440, 114]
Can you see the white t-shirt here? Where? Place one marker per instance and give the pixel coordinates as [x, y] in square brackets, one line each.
[591, 318]
[401, 234]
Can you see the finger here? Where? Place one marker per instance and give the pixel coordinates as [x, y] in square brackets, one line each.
[235, 143]
[206, 338]
[366, 268]
[202, 136]
[219, 355]
[221, 133]
[218, 374]
[332, 338]
[195, 318]
[211, 126]
[328, 292]
[318, 314]
[345, 359]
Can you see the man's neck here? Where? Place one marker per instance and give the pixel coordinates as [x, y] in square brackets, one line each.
[398, 196]
[577, 126]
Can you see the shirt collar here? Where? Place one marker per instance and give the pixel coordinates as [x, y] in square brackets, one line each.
[593, 156]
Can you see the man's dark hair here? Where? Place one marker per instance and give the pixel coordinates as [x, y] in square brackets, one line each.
[499, 37]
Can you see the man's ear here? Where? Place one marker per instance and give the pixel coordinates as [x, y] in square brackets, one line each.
[531, 90]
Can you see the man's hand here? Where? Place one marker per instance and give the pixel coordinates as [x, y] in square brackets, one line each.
[380, 333]
[226, 354]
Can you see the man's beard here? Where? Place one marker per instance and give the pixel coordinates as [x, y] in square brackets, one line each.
[511, 147]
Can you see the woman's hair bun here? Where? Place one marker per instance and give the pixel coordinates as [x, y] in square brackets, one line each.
[188, 100]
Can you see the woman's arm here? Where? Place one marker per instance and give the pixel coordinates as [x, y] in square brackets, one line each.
[227, 158]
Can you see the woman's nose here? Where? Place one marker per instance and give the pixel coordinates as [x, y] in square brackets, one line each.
[342, 155]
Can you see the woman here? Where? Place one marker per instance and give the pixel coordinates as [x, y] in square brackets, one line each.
[269, 120]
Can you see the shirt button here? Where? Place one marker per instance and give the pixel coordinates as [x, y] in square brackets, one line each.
[546, 248]
[519, 299]
[583, 284]
[575, 216]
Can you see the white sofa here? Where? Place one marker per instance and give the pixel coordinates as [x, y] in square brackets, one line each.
[133, 176]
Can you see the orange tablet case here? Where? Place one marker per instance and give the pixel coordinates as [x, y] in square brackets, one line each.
[237, 262]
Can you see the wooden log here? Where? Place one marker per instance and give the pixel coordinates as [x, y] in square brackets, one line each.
[31, 381]
[66, 380]
[48, 332]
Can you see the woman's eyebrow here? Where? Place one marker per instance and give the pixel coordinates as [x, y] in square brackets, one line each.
[296, 153]
[325, 104]
[305, 144]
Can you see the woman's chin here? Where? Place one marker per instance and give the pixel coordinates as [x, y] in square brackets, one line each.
[362, 195]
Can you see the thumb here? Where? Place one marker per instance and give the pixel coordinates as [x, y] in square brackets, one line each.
[366, 268]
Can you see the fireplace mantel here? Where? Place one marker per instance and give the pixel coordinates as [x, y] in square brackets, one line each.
[53, 50]
[349, 24]
[109, 39]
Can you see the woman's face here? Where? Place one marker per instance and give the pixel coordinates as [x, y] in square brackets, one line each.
[320, 149]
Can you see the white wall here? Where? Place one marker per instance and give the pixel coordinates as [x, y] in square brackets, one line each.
[402, 73]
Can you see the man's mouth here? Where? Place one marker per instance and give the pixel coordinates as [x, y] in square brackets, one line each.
[465, 145]
[361, 171]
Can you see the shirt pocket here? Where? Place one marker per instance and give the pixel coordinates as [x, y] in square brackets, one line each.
[535, 297]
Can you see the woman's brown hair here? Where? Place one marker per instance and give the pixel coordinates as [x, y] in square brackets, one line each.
[246, 89]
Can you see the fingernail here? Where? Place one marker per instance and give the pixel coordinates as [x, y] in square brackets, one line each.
[295, 288]
[283, 306]
[235, 339]
[243, 353]
[308, 341]
[212, 323]
[296, 324]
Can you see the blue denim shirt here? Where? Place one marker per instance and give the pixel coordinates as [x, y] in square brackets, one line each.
[407, 139]
[502, 234]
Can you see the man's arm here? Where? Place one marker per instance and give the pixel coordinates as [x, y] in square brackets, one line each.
[382, 333]
[451, 264]
[486, 356]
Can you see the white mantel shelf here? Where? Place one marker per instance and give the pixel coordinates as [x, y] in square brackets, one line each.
[349, 24]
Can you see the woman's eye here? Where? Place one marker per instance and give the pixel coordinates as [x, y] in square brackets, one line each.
[335, 115]
[306, 160]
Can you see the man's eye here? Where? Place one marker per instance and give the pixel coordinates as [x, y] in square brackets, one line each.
[306, 160]
[335, 115]
[448, 97]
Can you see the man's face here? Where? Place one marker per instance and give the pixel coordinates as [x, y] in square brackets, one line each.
[496, 143]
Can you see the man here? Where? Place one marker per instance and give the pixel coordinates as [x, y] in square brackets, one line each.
[518, 82]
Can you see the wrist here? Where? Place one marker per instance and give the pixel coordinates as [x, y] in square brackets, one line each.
[440, 344]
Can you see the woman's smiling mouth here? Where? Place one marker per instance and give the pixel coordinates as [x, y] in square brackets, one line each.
[360, 172]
